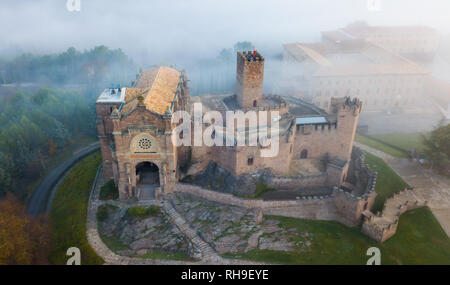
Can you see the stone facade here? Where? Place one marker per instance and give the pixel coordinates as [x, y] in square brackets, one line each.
[249, 79]
[130, 137]
[135, 131]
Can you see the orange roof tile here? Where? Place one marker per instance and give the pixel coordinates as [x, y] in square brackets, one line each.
[163, 90]
[157, 86]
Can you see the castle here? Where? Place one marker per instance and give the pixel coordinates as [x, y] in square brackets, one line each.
[315, 158]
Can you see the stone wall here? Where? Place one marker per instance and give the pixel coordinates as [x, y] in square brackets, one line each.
[384, 225]
[278, 182]
[338, 206]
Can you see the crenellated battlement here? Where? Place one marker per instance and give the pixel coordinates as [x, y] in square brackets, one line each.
[383, 225]
[345, 104]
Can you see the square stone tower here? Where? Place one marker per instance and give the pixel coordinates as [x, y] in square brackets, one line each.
[249, 78]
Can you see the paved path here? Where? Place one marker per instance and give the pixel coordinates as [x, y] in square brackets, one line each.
[427, 186]
[209, 256]
[42, 195]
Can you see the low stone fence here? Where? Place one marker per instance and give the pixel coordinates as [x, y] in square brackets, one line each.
[327, 207]
[297, 181]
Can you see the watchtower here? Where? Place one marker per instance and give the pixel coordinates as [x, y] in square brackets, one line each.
[249, 78]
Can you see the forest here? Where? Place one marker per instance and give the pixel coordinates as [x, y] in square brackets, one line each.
[56, 112]
[69, 67]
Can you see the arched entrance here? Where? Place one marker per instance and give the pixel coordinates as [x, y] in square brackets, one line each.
[147, 180]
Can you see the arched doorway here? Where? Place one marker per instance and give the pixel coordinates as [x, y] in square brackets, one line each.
[304, 154]
[147, 180]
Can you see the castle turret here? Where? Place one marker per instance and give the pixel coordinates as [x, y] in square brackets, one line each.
[249, 78]
[347, 112]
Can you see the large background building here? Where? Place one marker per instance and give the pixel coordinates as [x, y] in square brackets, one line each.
[416, 42]
[381, 79]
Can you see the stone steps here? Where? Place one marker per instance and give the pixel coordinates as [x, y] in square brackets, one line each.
[206, 250]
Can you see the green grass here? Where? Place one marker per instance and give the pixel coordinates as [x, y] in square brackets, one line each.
[113, 243]
[69, 212]
[261, 188]
[159, 254]
[406, 141]
[419, 240]
[144, 212]
[109, 191]
[103, 211]
[388, 182]
[379, 146]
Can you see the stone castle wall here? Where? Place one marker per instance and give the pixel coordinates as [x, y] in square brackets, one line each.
[338, 206]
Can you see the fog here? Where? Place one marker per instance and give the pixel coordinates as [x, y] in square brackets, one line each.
[178, 31]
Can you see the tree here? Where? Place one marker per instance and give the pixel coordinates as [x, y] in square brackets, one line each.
[437, 148]
[23, 240]
[6, 169]
[243, 46]
[226, 55]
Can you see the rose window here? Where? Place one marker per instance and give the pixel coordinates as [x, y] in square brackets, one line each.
[145, 143]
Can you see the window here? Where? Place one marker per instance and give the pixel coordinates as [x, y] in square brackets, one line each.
[145, 143]
[255, 103]
[250, 160]
[304, 154]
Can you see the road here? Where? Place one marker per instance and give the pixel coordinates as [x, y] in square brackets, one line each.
[46, 188]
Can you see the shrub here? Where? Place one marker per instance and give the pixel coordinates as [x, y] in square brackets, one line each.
[262, 188]
[109, 191]
[140, 211]
[102, 213]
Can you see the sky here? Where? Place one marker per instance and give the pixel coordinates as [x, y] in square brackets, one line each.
[169, 31]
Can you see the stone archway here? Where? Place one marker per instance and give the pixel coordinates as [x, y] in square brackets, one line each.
[147, 180]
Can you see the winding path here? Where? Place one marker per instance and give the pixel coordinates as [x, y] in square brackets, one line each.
[42, 195]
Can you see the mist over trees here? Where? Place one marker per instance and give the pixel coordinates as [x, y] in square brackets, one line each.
[216, 75]
[70, 67]
[437, 149]
[35, 125]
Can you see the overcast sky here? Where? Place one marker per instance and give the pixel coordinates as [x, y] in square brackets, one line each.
[170, 30]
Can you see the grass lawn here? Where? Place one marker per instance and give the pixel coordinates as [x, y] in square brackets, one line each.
[382, 147]
[69, 211]
[157, 254]
[388, 182]
[419, 240]
[407, 141]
